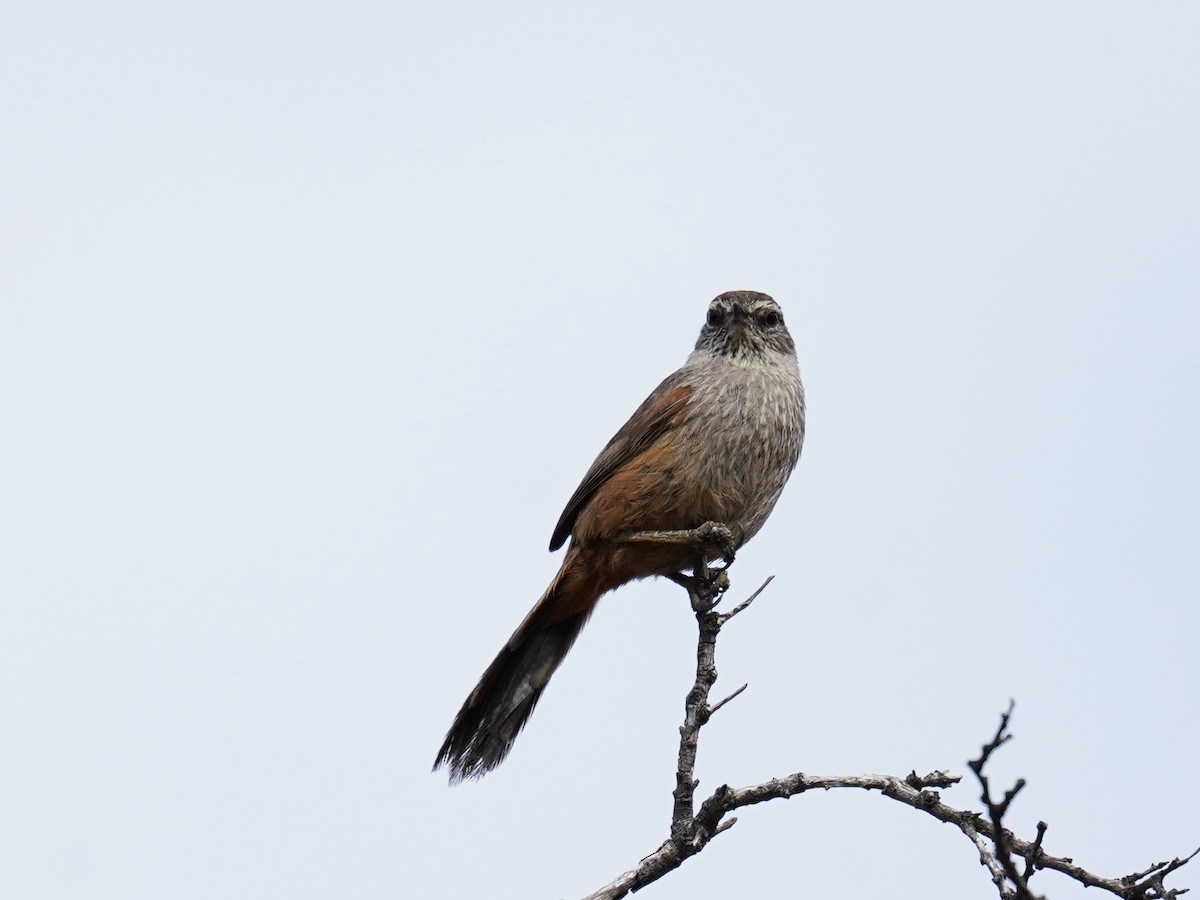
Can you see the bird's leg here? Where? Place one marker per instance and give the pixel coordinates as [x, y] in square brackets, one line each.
[712, 540]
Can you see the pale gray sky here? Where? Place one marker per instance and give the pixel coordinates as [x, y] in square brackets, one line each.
[312, 316]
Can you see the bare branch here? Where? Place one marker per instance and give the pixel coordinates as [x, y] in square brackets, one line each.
[988, 861]
[692, 830]
[1000, 837]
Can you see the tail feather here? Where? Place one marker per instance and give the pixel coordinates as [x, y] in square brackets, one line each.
[502, 702]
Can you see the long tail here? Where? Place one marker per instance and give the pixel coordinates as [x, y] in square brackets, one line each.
[494, 714]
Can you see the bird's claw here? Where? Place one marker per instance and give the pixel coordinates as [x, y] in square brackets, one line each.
[704, 589]
[719, 539]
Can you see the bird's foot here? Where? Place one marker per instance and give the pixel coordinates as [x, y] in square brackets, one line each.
[710, 541]
[704, 589]
[719, 538]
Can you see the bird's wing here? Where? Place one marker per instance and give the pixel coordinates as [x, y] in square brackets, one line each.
[658, 414]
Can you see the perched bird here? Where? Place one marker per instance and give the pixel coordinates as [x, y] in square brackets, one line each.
[715, 442]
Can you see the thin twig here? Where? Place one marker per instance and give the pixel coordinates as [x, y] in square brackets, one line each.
[712, 709]
[1034, 857]
[741, 607]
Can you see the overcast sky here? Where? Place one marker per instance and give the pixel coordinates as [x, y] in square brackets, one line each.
[313, 315]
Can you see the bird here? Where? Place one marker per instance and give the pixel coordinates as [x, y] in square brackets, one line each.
[714, 443]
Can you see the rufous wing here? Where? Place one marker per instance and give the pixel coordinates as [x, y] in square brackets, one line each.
[658, 414]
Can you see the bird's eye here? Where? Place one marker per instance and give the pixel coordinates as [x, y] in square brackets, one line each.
[715, 317]
[770, 319]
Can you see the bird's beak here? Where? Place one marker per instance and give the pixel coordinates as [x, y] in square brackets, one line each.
[740, 323]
